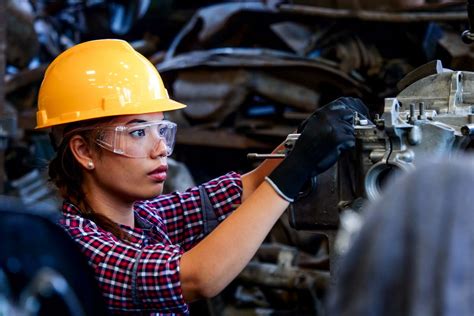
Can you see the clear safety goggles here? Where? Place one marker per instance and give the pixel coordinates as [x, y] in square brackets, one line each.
[138, 140]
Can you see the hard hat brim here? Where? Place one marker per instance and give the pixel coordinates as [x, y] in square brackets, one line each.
[162, 105]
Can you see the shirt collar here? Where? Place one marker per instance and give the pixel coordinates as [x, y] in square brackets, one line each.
[70, 208]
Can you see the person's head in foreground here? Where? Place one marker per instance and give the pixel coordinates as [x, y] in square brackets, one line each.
[414, 254]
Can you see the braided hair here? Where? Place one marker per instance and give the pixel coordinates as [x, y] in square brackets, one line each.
[67, 174]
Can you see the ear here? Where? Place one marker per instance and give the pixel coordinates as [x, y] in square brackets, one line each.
[81, 151]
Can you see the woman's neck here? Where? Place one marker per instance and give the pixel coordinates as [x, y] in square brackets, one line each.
[114, 206]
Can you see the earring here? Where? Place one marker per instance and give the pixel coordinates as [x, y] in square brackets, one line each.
[90, 165]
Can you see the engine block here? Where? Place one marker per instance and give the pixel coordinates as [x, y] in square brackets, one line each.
[432, 118]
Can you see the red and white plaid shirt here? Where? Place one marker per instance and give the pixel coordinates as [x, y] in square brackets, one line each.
[141, 276]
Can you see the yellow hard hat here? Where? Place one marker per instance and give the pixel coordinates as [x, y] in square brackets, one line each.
[97, 79]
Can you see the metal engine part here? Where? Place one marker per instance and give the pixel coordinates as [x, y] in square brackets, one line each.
[431, 118]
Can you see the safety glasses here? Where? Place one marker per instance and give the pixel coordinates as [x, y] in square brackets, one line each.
[138, 140]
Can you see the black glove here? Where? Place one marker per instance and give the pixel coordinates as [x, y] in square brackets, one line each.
[326, 133]
[352, 103]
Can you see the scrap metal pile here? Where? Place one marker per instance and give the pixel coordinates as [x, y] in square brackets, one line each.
[250, 72]
[257, 68]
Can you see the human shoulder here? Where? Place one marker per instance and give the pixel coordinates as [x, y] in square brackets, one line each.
[79, 227]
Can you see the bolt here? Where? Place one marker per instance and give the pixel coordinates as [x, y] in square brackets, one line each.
[412, 112]
[422, 111]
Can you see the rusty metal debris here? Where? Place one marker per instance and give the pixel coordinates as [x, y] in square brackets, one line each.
[250, 85]
[376, 15]
[22, 40]
[283, 79]
[279, 44]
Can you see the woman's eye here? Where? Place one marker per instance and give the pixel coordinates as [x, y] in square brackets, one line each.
[138, 133]
[162, 131]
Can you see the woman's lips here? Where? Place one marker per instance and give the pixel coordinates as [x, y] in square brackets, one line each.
[159, 174]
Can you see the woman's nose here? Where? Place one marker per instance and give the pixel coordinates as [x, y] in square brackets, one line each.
[159, 149]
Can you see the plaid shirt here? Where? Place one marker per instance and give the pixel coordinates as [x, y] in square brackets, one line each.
[141, 276]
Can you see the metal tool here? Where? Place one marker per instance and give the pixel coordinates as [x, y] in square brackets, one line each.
[360, 122]
[288, 144]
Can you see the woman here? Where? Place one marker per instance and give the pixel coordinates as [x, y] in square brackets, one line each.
[151, 253]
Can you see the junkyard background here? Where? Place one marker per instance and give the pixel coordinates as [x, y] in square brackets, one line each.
[250, 72]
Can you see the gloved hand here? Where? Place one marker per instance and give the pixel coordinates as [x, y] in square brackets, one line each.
[354, 104]
[324, 135]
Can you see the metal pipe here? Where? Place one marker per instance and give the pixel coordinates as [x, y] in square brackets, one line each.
[265, 156]
[367, 15]
[467, 130]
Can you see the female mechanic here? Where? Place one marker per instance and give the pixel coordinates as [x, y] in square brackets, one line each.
[151, 253]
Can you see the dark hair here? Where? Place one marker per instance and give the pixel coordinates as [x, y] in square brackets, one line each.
[67, 174]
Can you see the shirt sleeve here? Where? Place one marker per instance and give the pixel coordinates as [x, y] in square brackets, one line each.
[182, 212]
[132, 279]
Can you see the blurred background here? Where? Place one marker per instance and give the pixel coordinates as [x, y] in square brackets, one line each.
[250, 72]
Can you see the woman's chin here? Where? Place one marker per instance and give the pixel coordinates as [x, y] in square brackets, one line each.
[157, 190]
[147, 192]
